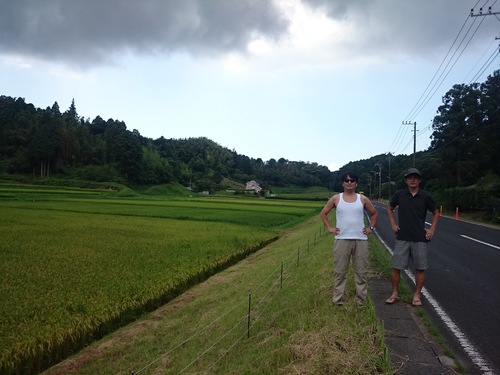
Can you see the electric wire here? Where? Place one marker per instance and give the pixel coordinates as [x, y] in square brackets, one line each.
[188, 339]
[261, 300]
[438, 69]
[442, 78]
[431, 88]
[240, 321]
[477, 62]
[485, 66]
[197, 333]
[251, 326]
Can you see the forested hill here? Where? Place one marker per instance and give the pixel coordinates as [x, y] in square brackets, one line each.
[48, 142]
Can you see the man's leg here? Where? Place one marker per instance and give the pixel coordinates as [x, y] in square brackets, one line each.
[420, 260]
[341, 257]
[419, 283]
[395, 277]
[360, 267]
[400, 257]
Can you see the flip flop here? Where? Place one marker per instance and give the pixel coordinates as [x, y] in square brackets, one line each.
[391, 300]
[416, 302]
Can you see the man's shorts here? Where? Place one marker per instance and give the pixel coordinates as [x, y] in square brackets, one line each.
[406, 250]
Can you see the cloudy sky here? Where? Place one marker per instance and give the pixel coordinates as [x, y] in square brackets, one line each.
[325, 81]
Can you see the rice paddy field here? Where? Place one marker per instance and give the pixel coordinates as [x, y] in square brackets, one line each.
[76, 264]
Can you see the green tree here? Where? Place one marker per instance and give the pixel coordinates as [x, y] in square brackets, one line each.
[71, 113]
[456, 133]
[154, 168]
[124, 149]
[44, 145]
[490, 132]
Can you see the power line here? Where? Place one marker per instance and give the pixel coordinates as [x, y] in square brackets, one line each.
[435, 83]
[438, 84]
[476, 64]
[419, 105]
[485, 66]
[437, 71]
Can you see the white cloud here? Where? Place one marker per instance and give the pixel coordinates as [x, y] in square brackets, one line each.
[18, 62]
[335, 78]
[333, 166]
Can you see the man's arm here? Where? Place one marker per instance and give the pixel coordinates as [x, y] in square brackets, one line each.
[390, 213]
[429, 233]
[330, 205]
[371, 210]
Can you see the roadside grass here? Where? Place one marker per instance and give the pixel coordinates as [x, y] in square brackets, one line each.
[432, 329]
[294, 328]
[381, 262]
[282, 292]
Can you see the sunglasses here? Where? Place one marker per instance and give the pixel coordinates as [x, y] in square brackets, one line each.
[349, 180]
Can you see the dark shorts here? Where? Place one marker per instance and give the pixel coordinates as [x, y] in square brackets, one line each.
[406, 250]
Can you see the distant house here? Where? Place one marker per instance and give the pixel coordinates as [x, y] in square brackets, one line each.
[253, 185]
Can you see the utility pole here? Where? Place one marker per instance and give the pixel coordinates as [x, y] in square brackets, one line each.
[374, 180]
[481, 14]
[390, 182]
[414, 137]
[379, 179]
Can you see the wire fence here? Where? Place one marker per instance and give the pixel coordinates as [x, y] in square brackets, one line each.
[242, 328]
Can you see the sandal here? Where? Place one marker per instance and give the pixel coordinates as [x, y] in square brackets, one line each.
[416, 302]
[391, 300]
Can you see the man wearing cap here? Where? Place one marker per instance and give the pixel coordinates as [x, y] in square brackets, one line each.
[412, 235]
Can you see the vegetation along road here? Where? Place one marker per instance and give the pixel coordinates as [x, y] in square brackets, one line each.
[462, 286]
[79, 264]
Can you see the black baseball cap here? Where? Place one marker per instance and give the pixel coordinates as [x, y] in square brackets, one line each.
[412, 171]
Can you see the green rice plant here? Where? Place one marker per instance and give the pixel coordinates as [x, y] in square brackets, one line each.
[69, 277]
[295, 328]
[263, 214]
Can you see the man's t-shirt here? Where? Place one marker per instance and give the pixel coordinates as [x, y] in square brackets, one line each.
[412, 211]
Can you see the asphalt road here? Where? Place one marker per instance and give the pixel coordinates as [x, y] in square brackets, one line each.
[462, 287]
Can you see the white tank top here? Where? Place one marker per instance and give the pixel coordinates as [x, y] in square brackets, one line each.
[349, 216]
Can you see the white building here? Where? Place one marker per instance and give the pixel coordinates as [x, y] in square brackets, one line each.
[253, 185]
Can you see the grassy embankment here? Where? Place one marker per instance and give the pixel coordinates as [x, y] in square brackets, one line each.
[293, 326]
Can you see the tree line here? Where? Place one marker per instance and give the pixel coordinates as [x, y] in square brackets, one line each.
[48, 142]
[461, 167]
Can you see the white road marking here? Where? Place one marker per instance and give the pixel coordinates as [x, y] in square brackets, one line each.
[479, 241]
[468, 347]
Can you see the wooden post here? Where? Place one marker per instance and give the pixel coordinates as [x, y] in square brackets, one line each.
[281, 277]
[249, 304]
